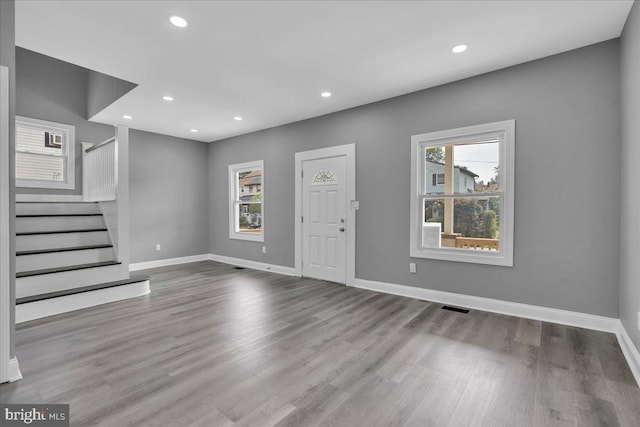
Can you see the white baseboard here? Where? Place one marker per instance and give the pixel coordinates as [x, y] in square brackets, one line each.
[546, 314]
[630, 351]
[48, 198]
[287, 271]
[49, 307]
[14, 370]
[169, 261]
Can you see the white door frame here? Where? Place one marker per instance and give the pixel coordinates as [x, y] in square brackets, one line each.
[349, 151]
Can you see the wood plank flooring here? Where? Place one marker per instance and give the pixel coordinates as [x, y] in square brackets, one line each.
[216, 346]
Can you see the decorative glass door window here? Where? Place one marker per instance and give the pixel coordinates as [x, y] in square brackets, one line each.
[323, 177]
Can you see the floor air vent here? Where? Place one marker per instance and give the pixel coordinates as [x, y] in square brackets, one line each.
[459, 310]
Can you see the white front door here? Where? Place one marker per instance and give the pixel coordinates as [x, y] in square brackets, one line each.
[324, 208]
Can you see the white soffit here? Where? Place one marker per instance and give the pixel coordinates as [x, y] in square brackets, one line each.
[268, 61]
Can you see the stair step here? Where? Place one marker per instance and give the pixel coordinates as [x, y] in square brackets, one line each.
[53, 250]
[63, 269]
[35, 224]
[43, 208]
[44, 304]
[42, 261]
[63, 279]
[54, 241]
[57, 215]
[88, 230]
[55, 202]
[40, 297]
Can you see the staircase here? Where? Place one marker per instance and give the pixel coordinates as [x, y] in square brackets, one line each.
[65, 259]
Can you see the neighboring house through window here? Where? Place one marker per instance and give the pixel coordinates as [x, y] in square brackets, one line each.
[462, 194]
[246, 198]
[45, 154]
[463, 178]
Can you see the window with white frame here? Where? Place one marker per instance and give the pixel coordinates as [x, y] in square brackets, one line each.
[467, 215]
[246, 198]
[45, 154]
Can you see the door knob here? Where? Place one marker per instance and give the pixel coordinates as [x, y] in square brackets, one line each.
[342, 229]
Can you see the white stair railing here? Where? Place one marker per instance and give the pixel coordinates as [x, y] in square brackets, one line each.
[105, 173]
[99, 170]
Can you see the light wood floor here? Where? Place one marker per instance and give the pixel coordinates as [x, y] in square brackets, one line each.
[215, 346]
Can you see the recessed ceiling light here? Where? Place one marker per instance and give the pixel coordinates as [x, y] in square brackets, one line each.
[128, 117]
[178, 21]
[459, 48]
[325, 94]
[194, 130]
[167, 98]
[238, 118]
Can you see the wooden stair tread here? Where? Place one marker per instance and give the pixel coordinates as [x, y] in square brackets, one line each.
[55, 202]
[56, 215]
[86, 230]
[68, 249]
[67, 268]
[65, 292]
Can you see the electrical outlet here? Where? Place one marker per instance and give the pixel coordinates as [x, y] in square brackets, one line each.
[264, 249]
[412, 267]
[158, 247]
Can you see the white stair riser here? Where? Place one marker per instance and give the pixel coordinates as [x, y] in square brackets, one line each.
[45, 283]
[56, 208]
[49, 307]
[62, 259]
[63, 240]
[39, 224]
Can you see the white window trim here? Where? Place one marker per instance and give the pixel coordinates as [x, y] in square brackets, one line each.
[233, 169]
[69, 182]
[504, 257]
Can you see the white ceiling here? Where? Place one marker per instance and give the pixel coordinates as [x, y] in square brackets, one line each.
[268, 61]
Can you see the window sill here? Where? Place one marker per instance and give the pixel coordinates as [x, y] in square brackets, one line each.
[248, 237]
[27, 183]
[464, 255]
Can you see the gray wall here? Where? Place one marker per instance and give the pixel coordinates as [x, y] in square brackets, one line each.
[104, 90]
[7, 58]
[54, 90]
[168, 196]
[630, 210]
[567, 116]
